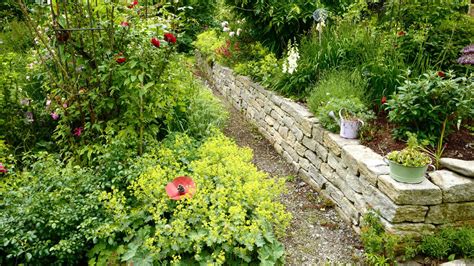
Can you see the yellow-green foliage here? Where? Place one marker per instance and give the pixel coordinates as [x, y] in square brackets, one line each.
[229, 219]
[208, 41]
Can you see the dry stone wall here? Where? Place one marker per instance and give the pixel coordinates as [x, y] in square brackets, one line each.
[353, 176]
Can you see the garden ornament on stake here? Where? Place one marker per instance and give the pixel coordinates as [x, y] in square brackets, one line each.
[320, 15]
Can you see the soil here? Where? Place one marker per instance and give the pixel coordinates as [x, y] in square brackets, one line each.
[459, 144]
[316, 235]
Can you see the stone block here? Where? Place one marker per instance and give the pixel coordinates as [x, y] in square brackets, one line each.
[270, 121]
[392, 212]
[276, 116]
[463, 167]
[278, 148]
[406, 229]
[322, 152]
[304, 164]
[424, 193]
[315, 174]
[456, 188]
[283, 131]
[309, 143]
[335, 142]
[350, 210]
[306, 125]
[318, 133]
[450, 212]
[295, 110]
[276, 99]
[299, 148]
[354, 183]
[291, 152]
[308, 179]
[298, 133]
[326, 171]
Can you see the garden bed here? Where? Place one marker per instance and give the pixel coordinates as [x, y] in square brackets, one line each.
[353, 176]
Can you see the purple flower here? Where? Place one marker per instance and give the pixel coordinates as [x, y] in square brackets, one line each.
[467, 59]
[65, 104]
[78, 131]
[468, 49]
[54, 115]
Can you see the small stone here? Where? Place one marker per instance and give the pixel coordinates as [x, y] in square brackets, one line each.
[318, 133]
[322, 152]
[309, 143]
[424, 193]
[462, 262]
[300, 149]
[456, 188]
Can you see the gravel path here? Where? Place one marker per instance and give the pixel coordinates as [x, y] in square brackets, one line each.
[317, 235]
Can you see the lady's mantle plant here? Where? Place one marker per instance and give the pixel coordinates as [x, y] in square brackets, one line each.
[228, 220]
[411, 156]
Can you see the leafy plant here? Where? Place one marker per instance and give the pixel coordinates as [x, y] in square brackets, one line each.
[411, 156]
[352, 105]
[221, 223]
[336, 84]
[380, 247]
[208, 42]
[423, 104]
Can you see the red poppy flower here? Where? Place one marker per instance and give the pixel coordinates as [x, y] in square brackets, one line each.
[121, 60]
[180, 187]
[441, 74]
[401, 33]
[155, 42]
[169, 37]
[124, 24]
[384, 100]
[2, 168]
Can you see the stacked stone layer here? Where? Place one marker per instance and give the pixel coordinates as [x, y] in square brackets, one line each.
[353, 176]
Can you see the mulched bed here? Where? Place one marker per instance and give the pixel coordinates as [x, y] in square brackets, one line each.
[460, 144]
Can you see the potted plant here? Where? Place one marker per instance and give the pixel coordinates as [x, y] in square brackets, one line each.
[410, 164]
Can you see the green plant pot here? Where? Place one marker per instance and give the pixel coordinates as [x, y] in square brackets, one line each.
[407, 174]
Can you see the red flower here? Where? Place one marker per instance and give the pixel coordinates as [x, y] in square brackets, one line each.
[169, 37]
[78, 131]
[124, 24]
[121, 60]
[133, 4]
[2, 168]
[180, 187]
[401, 33]
[441, 74]
[155, 42]
[384, 100]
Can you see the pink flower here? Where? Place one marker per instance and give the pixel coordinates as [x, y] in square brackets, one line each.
[133, 4]
[65, 104]
[54, 115]
[169, 37]
[180, 187]
[78, 131]
[124, 24]
[384, 100]
[3, 169]
[155, 42]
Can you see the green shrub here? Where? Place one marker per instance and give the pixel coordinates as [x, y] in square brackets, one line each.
[422, 105]
[208, 42]
[380, 247]
[274, 22]
[49, 213]
[353, 105]
[228, 220]
[435, 247]
[336, 84]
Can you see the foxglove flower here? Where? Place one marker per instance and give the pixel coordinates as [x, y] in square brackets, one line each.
[232, 33]
[239, 31]
[54, 115]
[155, 42]
[180, 187]
[291, 62]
